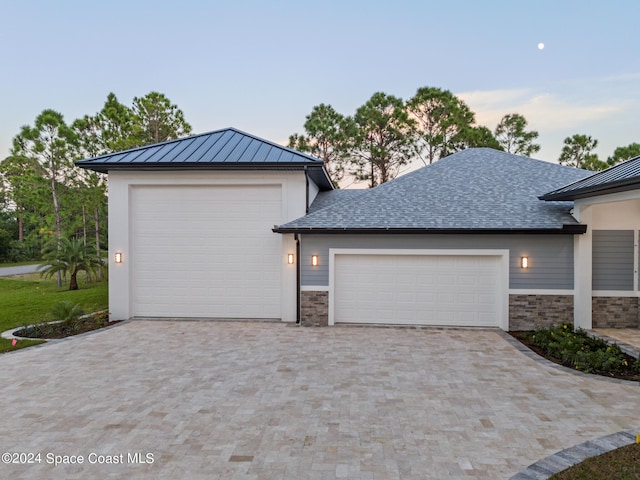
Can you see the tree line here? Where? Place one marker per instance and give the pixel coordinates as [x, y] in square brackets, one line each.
[387, 133]
[45, 199]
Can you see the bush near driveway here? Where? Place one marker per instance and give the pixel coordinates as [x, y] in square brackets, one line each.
[576, 349]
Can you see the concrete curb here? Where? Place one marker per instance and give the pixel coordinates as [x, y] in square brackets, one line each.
[11, 333]
[545, 468]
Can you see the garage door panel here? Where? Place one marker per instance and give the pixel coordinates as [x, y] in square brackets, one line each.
[194, 251]
[417, 289]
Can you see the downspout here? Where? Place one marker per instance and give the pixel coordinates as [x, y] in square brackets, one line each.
[298, 263]
[306, 179]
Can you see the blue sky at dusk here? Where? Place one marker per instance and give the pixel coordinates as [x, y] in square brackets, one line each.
[262, 66]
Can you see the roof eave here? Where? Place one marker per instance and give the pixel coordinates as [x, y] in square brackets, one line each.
[594, 191]
[567, 229]
[197, 166]
[317, 173]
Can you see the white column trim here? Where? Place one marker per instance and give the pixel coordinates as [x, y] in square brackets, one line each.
[635, 259]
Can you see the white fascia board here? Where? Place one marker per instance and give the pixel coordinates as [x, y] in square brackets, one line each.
[609, 198]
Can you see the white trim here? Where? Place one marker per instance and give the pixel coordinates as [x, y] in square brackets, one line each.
[540, 291]
[614, 293]
[635, 259]
[122, 183]
[503, 254]
[583, 269]
[609, 197]
[476, 252]
[314, 288]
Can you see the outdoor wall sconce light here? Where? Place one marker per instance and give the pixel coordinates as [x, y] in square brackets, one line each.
[290, 259]
[524, 262]
[118, 257]
[314, 260]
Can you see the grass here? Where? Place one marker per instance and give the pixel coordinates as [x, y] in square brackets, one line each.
[620, 464]
[29, 300]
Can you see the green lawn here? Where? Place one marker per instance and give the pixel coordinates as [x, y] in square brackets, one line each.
[620, 464]
[24, 302]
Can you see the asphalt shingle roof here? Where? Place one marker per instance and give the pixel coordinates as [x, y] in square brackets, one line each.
[619, 178]
[333, 197]
[476, 189]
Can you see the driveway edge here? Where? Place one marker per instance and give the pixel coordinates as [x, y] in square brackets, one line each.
[545, 468]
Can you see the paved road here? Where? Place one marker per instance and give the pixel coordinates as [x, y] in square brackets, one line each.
[226, 400]
[22, 270]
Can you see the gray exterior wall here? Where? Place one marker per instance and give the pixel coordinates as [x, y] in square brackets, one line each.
[550, 256]
[612, 260]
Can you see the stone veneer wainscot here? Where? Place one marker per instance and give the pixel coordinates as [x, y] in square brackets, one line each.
[314, 308]
[615, 312]
[526, 312]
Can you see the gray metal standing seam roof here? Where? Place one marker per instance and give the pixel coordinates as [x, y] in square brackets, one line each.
[227, 149]
[619, 178]
[476, 190]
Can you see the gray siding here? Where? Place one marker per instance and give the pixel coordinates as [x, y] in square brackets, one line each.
[612, 260]
[550, 256]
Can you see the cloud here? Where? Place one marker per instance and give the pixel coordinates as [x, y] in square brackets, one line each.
[542, 110]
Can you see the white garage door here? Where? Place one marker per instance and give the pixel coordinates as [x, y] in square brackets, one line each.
[452, 290]
[206, 251]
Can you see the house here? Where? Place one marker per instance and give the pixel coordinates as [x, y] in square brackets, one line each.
[190, 224]
[606, 256]
[228, 225]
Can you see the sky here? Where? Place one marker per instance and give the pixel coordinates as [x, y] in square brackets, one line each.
[262, 66]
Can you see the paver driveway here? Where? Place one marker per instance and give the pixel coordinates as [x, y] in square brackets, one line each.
[268, 401]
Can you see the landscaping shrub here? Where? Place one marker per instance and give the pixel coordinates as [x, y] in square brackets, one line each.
[578, 350]
[66, 311]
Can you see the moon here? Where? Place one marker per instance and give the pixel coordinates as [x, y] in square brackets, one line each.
[541, 46]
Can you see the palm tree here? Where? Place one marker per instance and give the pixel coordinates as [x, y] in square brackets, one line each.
[69, 257]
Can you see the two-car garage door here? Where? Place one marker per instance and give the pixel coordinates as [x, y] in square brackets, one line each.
[206, 251]
[419, 289]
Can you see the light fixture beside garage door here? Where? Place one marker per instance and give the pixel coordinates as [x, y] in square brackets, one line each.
[290, 258]
[314, 260]
[524, 262]
[118, 257]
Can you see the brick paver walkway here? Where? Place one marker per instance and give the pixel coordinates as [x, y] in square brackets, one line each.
[269, 401]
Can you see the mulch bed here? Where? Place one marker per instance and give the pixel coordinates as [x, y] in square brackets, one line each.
[66, 329]
[626, 374]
